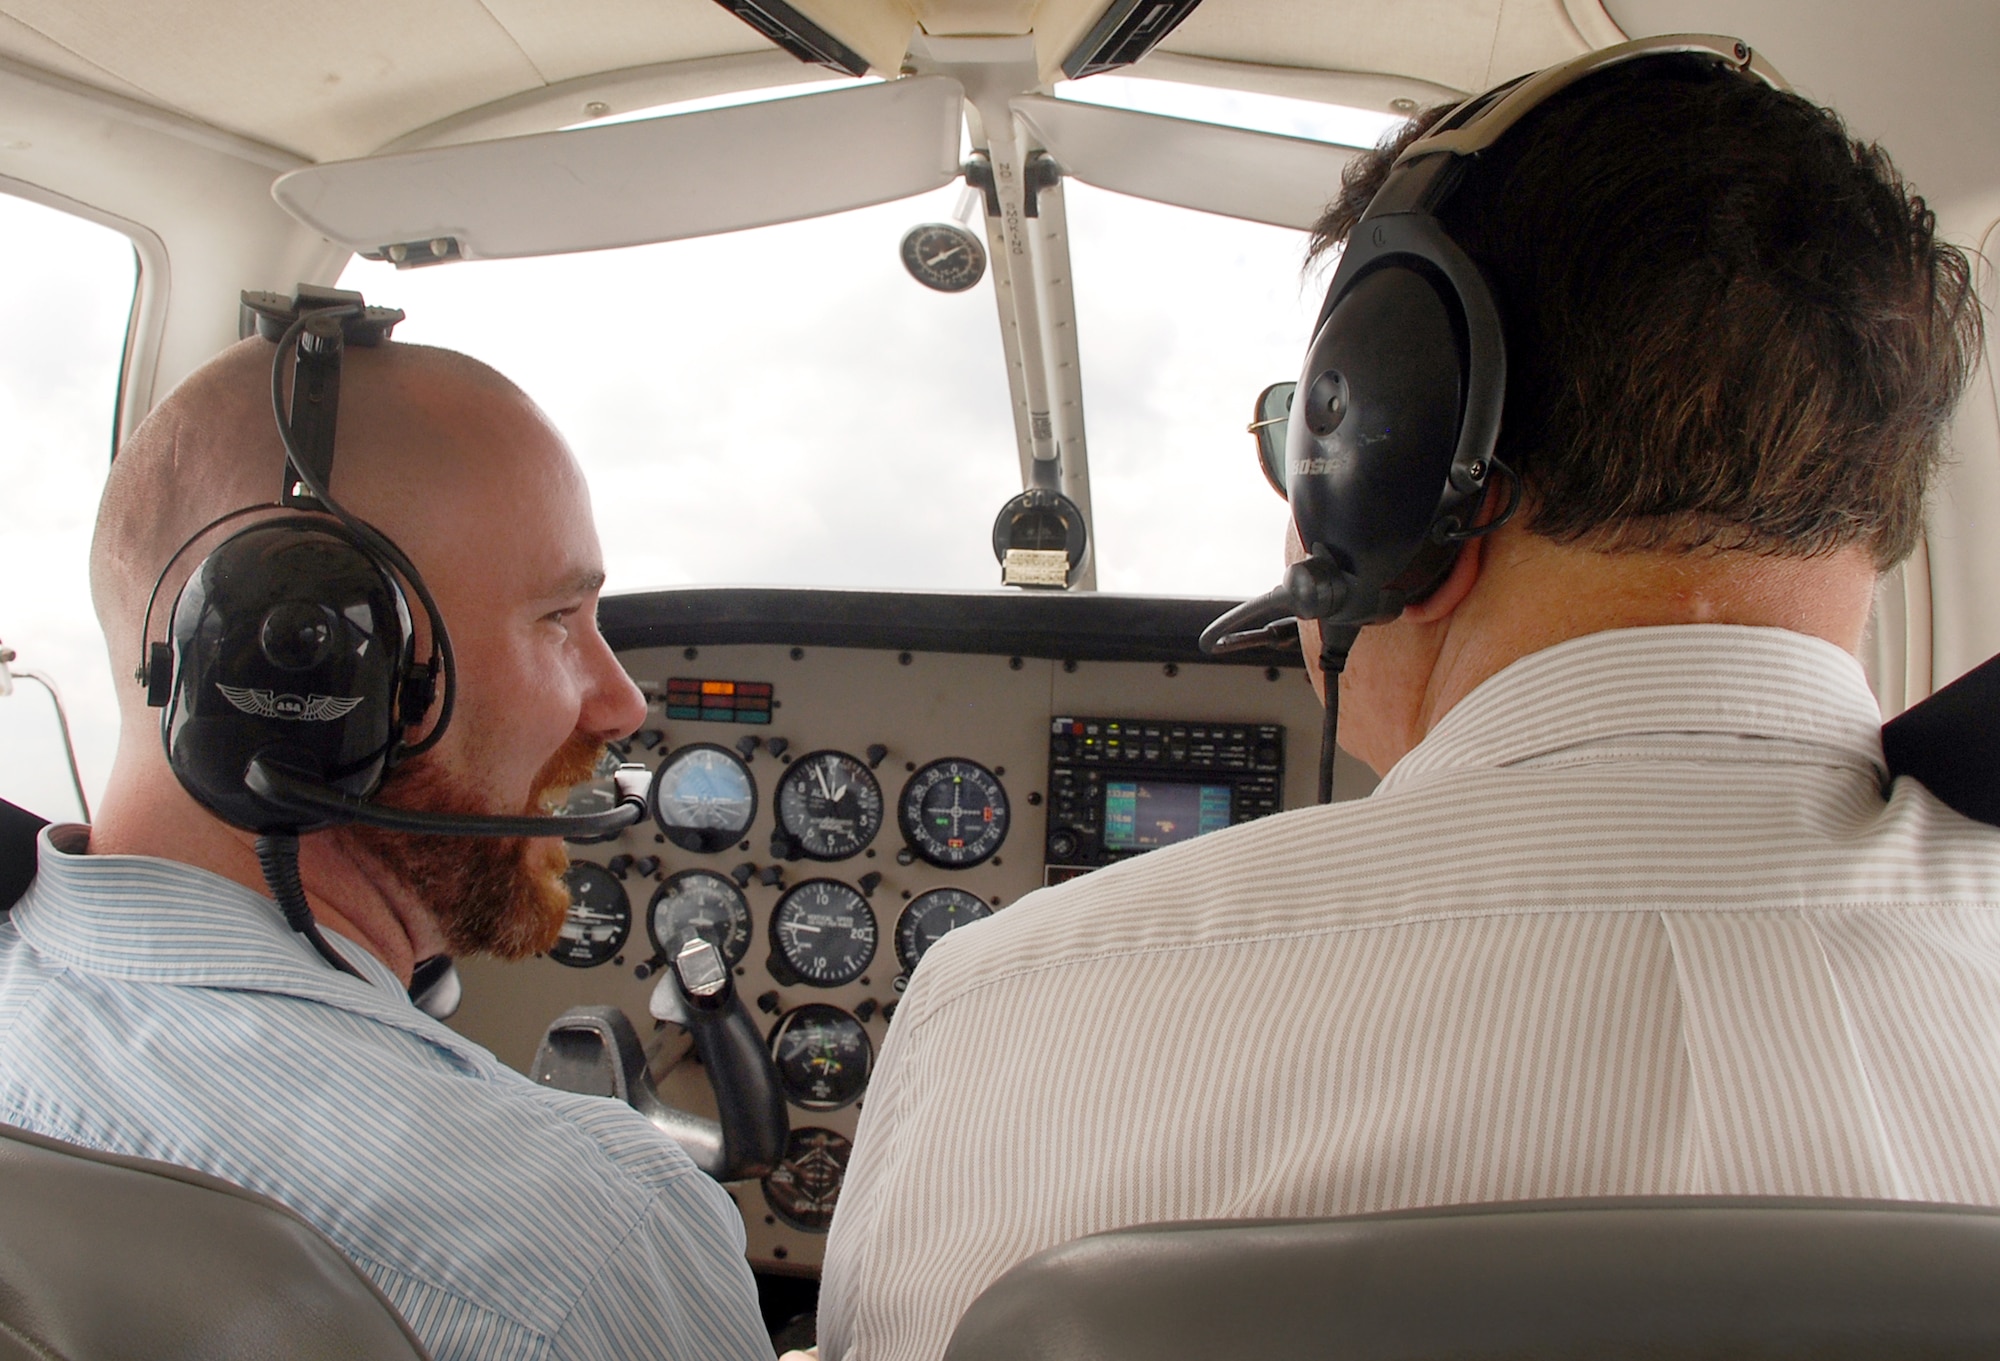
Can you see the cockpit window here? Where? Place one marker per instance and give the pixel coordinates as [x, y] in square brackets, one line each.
[67, 297]
[782, 406]
[1338, 123]
[1182, 318]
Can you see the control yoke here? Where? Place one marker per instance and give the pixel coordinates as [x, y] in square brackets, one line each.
[595, 1050]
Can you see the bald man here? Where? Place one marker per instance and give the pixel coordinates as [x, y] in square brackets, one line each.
[153, 1002]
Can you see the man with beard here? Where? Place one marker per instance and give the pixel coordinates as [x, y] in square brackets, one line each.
[153, 1002]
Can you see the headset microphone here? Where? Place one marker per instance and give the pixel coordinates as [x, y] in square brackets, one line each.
[1389, 446]
[289, 681]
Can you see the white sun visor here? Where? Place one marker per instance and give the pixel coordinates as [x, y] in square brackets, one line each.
[1258, 176]
[627, 184]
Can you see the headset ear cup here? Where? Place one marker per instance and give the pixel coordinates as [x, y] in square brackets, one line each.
[1368, 453]
[289, 642]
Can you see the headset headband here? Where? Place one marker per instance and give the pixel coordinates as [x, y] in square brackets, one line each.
[1482, 120]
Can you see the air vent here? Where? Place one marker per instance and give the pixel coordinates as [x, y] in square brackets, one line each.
[1128, 31]
[802, 37]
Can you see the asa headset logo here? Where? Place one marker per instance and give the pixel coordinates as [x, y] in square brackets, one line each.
[297, 708]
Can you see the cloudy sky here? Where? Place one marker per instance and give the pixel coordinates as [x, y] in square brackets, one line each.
[779, 406]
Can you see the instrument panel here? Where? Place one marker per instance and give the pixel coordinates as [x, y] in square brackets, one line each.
[825, 810]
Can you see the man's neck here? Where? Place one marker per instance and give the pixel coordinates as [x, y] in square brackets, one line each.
[1533, 594]
[145, 812]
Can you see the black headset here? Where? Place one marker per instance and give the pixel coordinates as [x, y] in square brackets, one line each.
[289, 678]
[1389, 445]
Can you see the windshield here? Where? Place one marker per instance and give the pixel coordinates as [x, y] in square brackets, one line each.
[788, 406]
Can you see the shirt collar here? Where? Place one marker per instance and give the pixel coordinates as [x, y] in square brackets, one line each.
[148, 920]
[1718, 680]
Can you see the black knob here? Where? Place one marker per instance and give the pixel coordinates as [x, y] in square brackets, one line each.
[866, 1011]
[876, 751]
[768, 1002]
[906, 856]
[770, 875]
[1062, 846]
[869, 882]
[782, 847]
[748, 745]
[777, 746]
[650, 738]
[888, 1011]
[650, 967]
[743, 873]
[619, 865]
[647, 865]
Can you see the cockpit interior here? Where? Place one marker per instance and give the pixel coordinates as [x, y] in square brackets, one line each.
[916, 636]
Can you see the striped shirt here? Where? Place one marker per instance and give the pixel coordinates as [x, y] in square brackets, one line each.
[1639, 916]
[150, 1008]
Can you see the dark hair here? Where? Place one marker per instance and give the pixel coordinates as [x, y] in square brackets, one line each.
[1729, 324]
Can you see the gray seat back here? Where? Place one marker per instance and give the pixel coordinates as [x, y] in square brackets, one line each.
[1663, 1279]
[104, 1258]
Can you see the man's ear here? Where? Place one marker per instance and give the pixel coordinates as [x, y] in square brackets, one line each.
[1457, 586]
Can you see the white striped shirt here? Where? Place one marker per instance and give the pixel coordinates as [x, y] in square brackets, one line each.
[1635, 918]
[150, 1008]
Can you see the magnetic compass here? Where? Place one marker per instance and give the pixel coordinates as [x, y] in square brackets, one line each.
[944, 256]
[598, 920]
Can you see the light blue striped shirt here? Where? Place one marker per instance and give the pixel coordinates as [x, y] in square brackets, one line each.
[150, 1008]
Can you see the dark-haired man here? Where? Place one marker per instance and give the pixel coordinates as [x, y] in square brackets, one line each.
[153, 1002]
[1634, 909]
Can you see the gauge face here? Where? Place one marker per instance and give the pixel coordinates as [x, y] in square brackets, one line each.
[926, 920]
[703, 798]
[803, 1188]
[822, 1055]
[598, 920]
[824, 931]
[953, 813]
[700, 903]
[829, 805]
[944, 256]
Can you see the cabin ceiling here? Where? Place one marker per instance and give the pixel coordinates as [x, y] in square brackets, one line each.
[325, 82]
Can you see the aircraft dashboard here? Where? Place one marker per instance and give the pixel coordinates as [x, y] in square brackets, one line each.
[842, 777]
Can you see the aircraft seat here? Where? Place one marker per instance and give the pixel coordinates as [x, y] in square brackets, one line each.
[109, 1258]
[1667, 1279]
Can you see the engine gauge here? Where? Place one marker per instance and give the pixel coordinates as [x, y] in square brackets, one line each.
[829, 806]
[944, 256]
[953, 813]
[822, 1056]
[703, 798]
[803, 1188]
[700, 903]
[824, 931]
[929, 916]
[598, 920]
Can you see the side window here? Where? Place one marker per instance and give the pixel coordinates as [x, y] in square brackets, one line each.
[67, 296]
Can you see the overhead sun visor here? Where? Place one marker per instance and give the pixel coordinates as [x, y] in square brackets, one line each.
[626, 184]
[1259, 176]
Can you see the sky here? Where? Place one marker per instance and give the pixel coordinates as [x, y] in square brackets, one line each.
[781, 406]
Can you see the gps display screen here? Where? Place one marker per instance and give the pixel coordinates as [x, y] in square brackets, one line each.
[1142, 814]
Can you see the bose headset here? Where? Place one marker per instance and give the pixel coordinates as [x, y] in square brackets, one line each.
[1389, 446]
[289, 679]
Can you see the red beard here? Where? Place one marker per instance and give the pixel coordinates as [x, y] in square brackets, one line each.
[501, 896]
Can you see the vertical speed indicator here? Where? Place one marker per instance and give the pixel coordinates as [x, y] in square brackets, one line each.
[953, 813]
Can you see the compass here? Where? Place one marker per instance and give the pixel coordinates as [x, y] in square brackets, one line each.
[944, 256]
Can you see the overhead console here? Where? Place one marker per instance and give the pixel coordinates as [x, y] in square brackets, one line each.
[840, 778]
